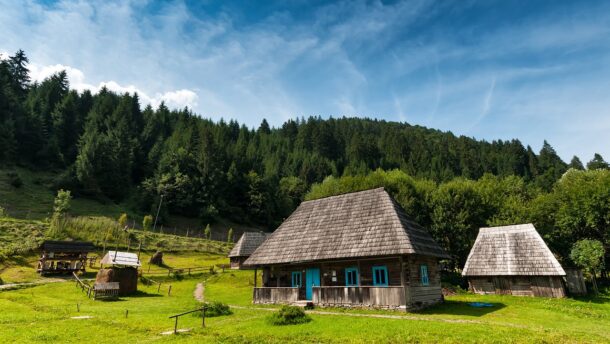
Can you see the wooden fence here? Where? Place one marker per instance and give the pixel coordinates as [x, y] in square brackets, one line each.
[202, 310]
[363, 295]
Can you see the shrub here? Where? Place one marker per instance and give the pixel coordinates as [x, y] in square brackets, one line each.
[3, 213]
[147, 222]
[289, 315]
[216, 309]
[14, 179]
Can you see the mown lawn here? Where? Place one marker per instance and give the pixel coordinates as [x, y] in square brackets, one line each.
[43, 314]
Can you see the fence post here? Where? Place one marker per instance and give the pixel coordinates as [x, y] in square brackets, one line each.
[159, 288]
[176, 326]
[169, 291]
[203, 316]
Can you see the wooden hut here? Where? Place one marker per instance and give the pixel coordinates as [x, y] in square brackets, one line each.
[357, 249]
[245, 246]
[60, 257]
[121, 267]
[513, 260]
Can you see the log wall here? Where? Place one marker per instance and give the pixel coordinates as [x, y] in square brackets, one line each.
[544, 286]
[275, 295]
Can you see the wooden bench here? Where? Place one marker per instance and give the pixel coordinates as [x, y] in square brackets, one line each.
[108, 290]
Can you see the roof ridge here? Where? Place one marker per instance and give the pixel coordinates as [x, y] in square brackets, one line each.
[343, 194]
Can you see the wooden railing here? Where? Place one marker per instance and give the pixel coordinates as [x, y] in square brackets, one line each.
[275, 295]
[392, 296]
[202, 310]
[82, 284]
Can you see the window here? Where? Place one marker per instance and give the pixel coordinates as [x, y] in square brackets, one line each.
[351, 277]
[380, 276]
[296, 279]
[423, 269]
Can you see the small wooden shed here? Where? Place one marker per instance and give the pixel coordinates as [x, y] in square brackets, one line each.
[245, 246]
[121, 267]
[353, 250]
[61, 257]
[513, 260]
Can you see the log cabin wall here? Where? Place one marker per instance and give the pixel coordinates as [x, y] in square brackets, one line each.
[543, 286]
[421, 295]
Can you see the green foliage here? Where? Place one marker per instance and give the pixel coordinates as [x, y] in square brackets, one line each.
[230, 235]
[61, 205]
[207, 232]
[147, 223]
[289, 315]
[123, 220]
[215, 309]
[578, 206]
[14, 179]
[589, 255]
[597, 163]
[3, 213]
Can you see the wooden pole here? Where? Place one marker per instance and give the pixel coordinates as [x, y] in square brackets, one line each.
[203, 316]
[169, 291]
[176, 326]
[403, 282]
[255, 277]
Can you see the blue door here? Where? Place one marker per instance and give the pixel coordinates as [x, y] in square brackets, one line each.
[312, 278]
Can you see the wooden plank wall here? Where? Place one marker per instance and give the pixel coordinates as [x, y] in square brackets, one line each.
[419, 294]
[544, 286]
[364, 296]
[575, 282]
[275, 295]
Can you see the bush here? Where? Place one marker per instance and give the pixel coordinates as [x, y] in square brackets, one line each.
[289, 315]
[3, 213]
[216, 309]
[14, 179]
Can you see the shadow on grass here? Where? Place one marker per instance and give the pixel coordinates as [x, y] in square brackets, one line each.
[462, 308]
[141, 293]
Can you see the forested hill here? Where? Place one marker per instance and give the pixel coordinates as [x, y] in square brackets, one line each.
[106, 145]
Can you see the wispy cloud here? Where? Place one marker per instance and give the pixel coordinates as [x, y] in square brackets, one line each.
[466, 67]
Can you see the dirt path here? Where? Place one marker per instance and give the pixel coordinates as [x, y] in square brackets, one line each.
[199, 292]
[11, 286]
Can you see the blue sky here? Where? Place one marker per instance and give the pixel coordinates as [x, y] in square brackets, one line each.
[531, 70]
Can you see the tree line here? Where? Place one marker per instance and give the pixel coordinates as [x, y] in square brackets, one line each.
[107, 146]
[577, 208]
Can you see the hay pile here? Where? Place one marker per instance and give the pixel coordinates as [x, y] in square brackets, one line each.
[127, 278]
[157, 258]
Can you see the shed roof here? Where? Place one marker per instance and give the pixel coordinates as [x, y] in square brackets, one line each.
[247, 244]
[121, 258]
[516, 250]
[67, 246]
[359, 224]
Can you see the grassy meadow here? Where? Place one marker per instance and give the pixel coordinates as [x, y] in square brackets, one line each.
[43, 313]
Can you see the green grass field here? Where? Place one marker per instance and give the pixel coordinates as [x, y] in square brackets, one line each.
[44, 313]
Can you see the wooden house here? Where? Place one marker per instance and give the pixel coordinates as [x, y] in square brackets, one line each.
[121, 267]
[357, 249]
[513, 260]
[245, 246]
[60, 257]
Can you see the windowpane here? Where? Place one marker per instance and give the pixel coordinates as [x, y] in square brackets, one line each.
[351, 276]
[424, 275]
[380, 276]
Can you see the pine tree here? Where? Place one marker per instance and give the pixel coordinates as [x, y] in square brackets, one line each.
[576, 164]
[597, 162]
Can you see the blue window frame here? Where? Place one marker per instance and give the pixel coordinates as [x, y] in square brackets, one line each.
[351, 277]
[297, 279]
[380, 276]
[423, 270]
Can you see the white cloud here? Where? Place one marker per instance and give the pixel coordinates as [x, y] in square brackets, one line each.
[173, 99]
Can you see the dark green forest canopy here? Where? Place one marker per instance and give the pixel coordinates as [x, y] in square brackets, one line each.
[106, 146]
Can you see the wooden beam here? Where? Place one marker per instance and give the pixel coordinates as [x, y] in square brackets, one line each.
[255, 277]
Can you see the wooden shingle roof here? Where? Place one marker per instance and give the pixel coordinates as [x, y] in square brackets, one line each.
[119, 258]
[247, 244]
[516, 250]
[360, 224]
[67, 246]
